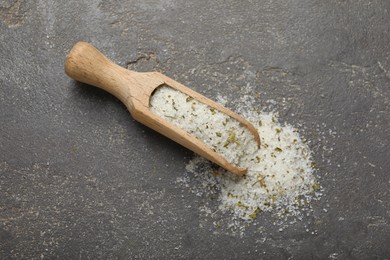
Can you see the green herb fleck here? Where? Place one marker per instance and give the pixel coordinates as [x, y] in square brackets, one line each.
[232, 137]
[316, 187]
[198, 129]
[231, 195]
[299, 198]
[240, 204]
[189, 98]
[314, 165]
[173, 105]
[278, 149]
[253, 215]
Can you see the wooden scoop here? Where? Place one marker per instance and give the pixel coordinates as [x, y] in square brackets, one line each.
[86, 64]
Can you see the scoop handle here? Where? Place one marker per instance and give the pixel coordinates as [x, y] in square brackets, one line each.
[86, 64]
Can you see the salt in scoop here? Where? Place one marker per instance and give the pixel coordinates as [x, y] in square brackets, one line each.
[86, 64]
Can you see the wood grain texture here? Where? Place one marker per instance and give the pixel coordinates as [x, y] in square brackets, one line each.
[86, 64]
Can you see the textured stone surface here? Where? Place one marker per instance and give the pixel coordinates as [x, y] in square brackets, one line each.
[80, 179]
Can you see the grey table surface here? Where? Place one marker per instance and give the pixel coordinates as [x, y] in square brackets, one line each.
[79, 178]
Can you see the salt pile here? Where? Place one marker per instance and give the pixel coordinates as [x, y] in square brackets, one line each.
[220, 132]
[280, 174]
